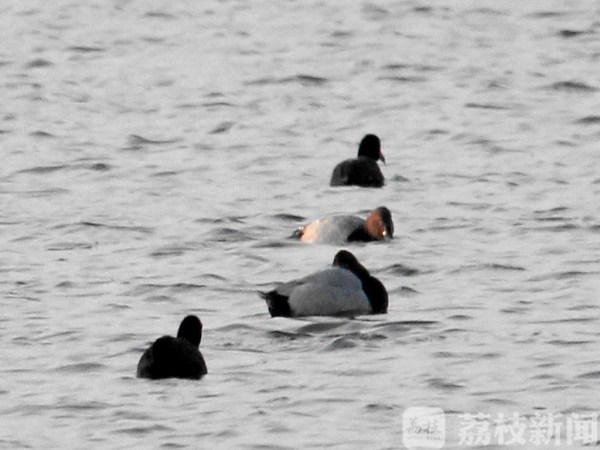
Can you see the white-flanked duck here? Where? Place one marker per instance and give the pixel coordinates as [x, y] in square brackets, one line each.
[345, 289]
[339, 229]
[363, 170]
[179, 357]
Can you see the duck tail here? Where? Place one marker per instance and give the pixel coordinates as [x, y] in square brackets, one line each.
[297, 234]
[278, 304]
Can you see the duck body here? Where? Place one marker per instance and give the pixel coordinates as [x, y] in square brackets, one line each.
[331, 292]
[175, 357]
[363, 170]
[344, 228]
[332, 230]
[346, 289]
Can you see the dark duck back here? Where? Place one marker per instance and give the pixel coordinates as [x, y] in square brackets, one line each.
[361, 171]
[179, 357]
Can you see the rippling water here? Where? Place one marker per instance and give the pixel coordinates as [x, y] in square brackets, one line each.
[156, 157]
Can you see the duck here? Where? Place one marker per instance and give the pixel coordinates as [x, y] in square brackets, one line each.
[363, 170]
[175, 357]
[345, 289]
[344, 228]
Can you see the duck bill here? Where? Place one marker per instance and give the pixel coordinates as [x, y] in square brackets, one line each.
[381, 157]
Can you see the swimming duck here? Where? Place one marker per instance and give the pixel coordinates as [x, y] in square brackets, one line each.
[339, 229]
[363, 170]
[179, 357]
[345, 289]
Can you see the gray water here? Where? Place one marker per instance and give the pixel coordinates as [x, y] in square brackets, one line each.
[157, 155]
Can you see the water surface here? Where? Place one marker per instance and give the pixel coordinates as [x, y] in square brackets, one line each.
[156, 157]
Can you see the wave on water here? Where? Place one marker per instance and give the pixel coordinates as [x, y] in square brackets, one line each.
[84, 225]
[494, 267]
[588, 120]
[223, 127]
[570, 33]
[572, 86]
[137, 142]
[302, 79]
[38, 63]
[84, 367]
[85, 49]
